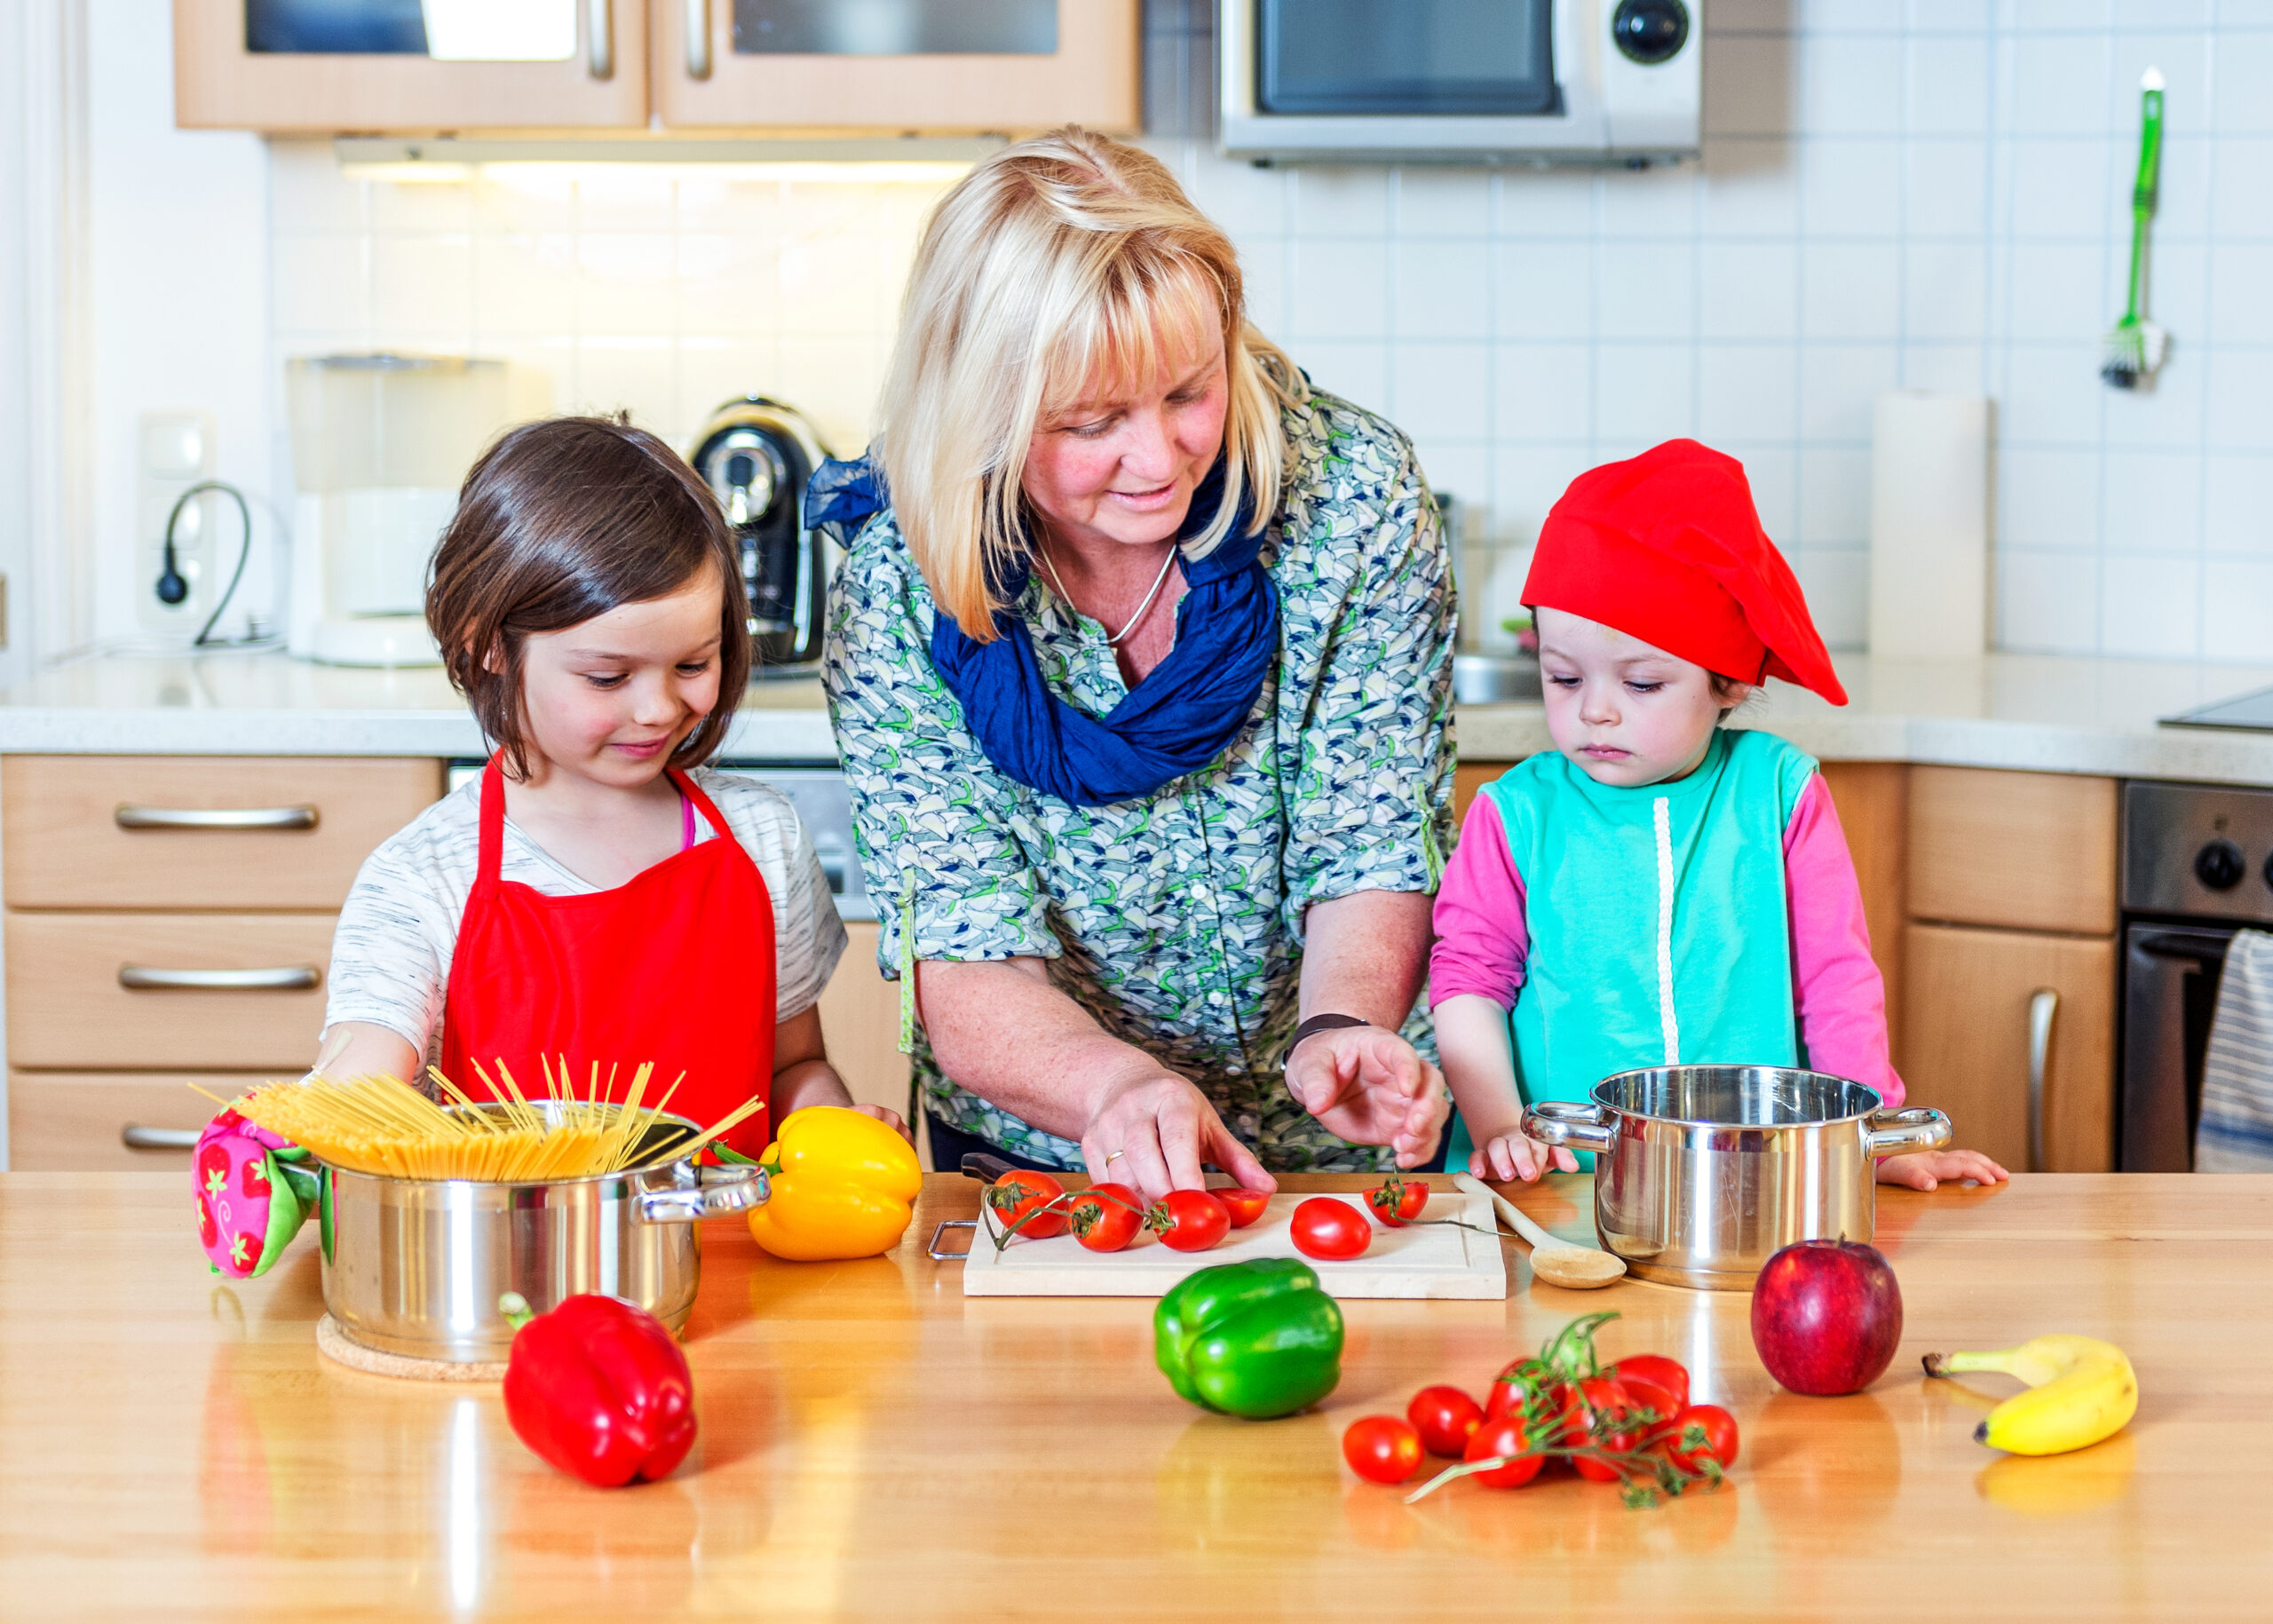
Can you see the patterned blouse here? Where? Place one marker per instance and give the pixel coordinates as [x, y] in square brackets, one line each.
[1175, 920]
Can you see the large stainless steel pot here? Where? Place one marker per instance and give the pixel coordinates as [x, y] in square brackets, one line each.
[416, 1266]
[1702, 1172]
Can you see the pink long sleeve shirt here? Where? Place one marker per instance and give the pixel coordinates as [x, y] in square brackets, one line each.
[1482, 941]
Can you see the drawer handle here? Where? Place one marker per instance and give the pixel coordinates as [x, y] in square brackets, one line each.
[128, 817]
[137, 1137]
[283, 979]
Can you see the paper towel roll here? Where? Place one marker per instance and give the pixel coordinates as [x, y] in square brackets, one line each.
[1930, 525]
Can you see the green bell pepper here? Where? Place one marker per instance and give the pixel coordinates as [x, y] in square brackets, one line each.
[1254, 1339]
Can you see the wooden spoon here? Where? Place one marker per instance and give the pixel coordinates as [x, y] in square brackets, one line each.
[1557, 1262]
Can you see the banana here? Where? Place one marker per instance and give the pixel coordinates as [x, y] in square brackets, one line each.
[2080, 1390]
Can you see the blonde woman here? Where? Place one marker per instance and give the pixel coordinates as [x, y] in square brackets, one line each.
[1138, 663]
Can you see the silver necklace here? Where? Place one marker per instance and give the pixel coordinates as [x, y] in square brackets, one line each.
[1112, 641]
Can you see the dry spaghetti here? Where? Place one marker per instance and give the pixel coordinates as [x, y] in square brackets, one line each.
[382, 1125]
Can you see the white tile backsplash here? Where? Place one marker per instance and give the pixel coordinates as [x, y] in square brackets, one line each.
[1894, 193]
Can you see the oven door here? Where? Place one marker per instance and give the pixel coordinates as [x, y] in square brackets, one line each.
[2170, 995]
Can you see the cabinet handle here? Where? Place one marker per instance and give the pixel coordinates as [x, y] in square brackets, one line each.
[283, 979]
[137, 1137]
[2041, 1009]
[130, 817]
[599, 44]
[697, 39]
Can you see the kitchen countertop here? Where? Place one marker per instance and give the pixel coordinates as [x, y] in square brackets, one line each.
[874, 1444]
[2042, 712]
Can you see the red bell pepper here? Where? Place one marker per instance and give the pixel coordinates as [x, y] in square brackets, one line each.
[599, 1389]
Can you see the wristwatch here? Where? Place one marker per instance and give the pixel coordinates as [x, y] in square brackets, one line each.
[1312, 1027]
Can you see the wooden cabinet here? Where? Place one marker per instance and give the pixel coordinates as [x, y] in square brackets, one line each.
[860, 1020]
[222, 82]
[170, 918]
[2035, 850]
[112, 1121]
[903, 67]
[702, 81]
[1968, 1041]
[176, 832]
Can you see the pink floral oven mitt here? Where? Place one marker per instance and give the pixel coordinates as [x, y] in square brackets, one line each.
[254, 1191]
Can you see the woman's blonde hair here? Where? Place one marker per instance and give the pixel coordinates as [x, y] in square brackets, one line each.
[1063, 263]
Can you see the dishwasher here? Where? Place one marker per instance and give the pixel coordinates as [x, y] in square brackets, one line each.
[2197, 865]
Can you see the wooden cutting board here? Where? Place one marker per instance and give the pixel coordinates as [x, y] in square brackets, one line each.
[1418, 1261]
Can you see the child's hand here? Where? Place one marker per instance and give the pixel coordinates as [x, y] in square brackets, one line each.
[1924, 1169]
[889, 1118]
[1511, 1155]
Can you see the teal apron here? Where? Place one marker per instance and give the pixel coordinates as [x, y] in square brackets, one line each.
[1661, 930]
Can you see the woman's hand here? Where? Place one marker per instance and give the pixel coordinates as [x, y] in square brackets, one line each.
[1925, 1169]
[1509, 1156]
[1152, 1129]
[1369, 1086]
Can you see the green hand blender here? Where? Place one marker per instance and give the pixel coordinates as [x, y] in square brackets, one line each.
[2135, 345]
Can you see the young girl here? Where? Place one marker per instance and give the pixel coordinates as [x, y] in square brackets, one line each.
[594, 895]
[1657, 890]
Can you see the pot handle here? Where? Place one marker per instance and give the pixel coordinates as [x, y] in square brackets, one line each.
[718, 1192]
[1570, 1125]
[1896, 1133]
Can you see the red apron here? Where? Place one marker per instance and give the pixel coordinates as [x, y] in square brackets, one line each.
[673, 966]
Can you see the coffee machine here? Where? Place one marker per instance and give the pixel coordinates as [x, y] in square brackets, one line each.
[757, 455]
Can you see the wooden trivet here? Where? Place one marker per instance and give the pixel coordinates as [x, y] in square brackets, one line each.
[335, 1345]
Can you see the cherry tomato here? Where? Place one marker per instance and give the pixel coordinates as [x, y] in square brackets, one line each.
[1188, 1220]
[1330, 1230]
[1244, 1205]
[1020, 1192]
[1505, 1437]
[1106, 1218]
[1660, 1383]
[1720, 1429]
[1524, 1383]
[1604, 1403]
[1395, 1202]
[1445, 1418]
[1382, 1449]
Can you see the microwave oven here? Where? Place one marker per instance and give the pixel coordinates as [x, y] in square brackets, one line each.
[1540, 81]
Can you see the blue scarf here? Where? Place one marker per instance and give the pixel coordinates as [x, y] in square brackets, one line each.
[1181, 717]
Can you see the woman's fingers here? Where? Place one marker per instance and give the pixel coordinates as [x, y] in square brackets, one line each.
[1142, 1164]
[1226, 1150]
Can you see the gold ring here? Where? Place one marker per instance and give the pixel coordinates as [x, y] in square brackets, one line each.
[1108, 1161]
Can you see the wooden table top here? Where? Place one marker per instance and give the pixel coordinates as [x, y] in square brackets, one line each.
[873, 1443]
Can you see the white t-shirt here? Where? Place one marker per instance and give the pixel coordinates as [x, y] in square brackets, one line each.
[391, 954]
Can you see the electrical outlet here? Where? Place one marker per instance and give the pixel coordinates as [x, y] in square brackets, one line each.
[173, 451]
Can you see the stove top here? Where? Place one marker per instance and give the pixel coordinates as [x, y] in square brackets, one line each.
[2251, 712]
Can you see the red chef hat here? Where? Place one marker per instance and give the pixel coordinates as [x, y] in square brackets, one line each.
[1668, 547]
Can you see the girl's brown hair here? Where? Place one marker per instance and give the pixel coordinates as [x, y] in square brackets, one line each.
[562, 520]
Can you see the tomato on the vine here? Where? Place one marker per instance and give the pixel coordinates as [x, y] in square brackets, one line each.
[1445, 1418]
[1660, 1383]
[1243, 1205]
[1188, 1220]
[1106, 1218]
[1526, 1385]
[1382, 1449]
[1608, 1421]
[1397, 1202]
[1508, 1439]
[1719, 1427]
[1330, 1230]
[1022, 1191]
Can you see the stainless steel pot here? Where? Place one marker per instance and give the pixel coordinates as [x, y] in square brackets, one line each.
[416, 1266]
[1702, 1172]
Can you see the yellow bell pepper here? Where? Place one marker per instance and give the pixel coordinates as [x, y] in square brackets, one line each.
[843, 1186]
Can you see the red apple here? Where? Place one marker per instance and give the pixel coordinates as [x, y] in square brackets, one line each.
[1826, 1317]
